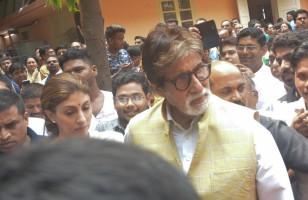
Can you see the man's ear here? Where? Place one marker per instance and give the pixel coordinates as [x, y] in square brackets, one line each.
[150, 99]
[26, 117]
[158, 90]
[264, 49]
[50, 115]
[94, 69]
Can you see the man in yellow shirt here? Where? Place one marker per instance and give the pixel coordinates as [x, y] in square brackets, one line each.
[222, 149]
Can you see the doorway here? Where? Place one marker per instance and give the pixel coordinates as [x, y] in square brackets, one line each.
[261, 10]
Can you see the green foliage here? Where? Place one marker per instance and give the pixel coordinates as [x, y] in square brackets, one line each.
[72, 5]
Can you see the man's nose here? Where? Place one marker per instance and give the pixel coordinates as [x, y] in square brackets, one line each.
[37, 109]
[236, 96]
[4, 134]
[196, 85]
[129, 102]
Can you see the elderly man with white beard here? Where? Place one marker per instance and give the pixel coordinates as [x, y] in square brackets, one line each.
[225, 153]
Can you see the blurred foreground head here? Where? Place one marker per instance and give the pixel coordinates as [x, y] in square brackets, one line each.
[90, 169]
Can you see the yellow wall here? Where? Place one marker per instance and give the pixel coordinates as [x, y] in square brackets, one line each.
[140, 16]
[304, 4]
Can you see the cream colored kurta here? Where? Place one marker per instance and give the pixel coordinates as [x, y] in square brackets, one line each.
[35, 77]
[224, 163]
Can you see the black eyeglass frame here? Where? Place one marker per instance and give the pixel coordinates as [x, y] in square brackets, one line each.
[189, 76]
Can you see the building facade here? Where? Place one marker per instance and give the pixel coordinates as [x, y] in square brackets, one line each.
[27, 24]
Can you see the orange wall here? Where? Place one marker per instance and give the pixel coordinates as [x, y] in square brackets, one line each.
[140, 16]
[211, 9]
[137, 16]
[304, 4]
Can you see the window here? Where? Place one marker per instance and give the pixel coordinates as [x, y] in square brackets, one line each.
[179, 10]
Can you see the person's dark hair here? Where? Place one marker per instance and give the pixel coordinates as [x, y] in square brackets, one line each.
[6, 58]
[139, 37]
[128, 76]
[125, 45]
[16, 66]
[75, 54]
[253, 33]
[286, 40]
[270, 44]
[267, 25]
[286, 23]
[58, 89]
[134, 50]
[253, 22]
[291, 12]
[31, 91]
[4, 79]
[26, 59]
[9, 99]
[228, 41]
[278, 25]
[62, 46]
[300, 11]
[95, 169]
[43, 50]
[172, 20]
[113, 29]
[302, 35]
[279, 20]
[300, 53]
[236, 19]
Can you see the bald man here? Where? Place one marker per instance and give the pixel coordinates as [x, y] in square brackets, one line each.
[227, 82]
[225, 72]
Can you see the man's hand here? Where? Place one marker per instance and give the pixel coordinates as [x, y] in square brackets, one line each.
[300, 122]
[125, 65]
[195, 31]
[245, 70]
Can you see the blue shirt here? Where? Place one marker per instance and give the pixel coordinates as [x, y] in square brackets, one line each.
[116, 61]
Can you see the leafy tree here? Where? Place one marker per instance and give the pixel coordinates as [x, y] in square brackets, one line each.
[92, 28]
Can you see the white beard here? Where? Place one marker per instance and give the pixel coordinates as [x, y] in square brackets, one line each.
[201, 107]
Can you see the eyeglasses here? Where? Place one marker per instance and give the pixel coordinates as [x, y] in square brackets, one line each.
[286, 57]
[136, 98]
[247, 47]
[182, 81]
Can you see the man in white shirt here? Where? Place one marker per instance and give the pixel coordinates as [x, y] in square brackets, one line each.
[77, 62]
[219, 145]
[251, 47]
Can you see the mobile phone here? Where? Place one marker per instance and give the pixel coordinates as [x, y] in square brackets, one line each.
[25, 82]
[209, 34]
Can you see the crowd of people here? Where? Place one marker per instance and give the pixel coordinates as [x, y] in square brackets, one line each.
[232, 119]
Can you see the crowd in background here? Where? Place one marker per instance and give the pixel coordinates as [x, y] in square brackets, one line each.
[168, 83]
